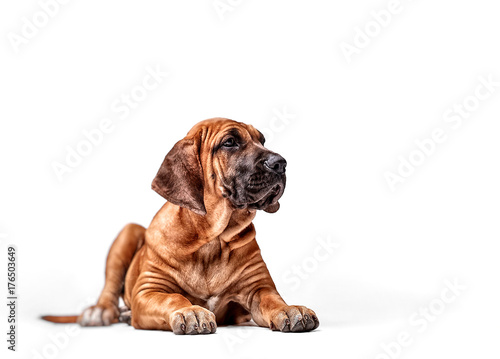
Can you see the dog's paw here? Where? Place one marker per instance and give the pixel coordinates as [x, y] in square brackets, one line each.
[125, 315]
[294, 318]
[193, 320]
[99, 315]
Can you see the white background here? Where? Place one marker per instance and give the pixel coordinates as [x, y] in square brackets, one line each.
[352, 121]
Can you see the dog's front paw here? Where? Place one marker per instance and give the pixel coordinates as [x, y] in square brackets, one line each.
[193, 320]
[294, 318]
[99, 315]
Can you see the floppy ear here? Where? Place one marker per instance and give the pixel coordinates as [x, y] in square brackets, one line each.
[180, 177]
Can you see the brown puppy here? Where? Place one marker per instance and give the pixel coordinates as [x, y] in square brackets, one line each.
[198, 264]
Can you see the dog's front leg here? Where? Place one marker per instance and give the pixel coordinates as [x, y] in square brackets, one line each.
[268, 309]
[174, 312]
[257, 293]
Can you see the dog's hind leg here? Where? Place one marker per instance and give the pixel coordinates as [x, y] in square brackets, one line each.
[122, 251]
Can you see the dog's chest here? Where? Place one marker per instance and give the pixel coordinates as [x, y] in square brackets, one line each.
[210, 272]
[212, 303]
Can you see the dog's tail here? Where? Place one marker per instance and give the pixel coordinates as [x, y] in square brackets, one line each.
[125, 317]
[60, 319]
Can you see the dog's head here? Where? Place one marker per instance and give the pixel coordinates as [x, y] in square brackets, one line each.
[224, 159]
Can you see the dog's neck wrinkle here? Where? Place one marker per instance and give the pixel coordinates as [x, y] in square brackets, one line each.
[237, 227]
[239, 232]
[220, 223]
[242, 238]
[216, 221]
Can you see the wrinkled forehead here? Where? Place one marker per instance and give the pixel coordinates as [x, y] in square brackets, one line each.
[214, 130]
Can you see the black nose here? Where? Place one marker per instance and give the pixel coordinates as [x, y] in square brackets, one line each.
[275, 163]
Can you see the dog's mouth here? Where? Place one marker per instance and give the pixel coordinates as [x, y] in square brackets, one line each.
[269, 198]
[259, 192]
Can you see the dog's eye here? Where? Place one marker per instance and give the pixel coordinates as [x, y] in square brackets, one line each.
[230, 142]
